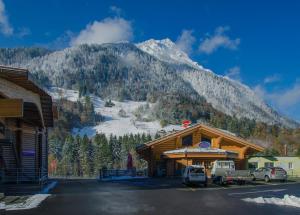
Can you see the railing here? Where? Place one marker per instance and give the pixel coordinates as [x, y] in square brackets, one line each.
[119, 173]
[22, 175]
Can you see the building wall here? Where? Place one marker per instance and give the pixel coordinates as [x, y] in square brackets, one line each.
[157, 162]
[282, 162]
[14, 91]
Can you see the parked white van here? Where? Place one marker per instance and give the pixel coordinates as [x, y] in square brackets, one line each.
[194, 174]
[224, 172]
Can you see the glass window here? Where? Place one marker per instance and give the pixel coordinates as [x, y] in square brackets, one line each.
[187, 140]
[269, 164]
[253, 165]
[196, 170]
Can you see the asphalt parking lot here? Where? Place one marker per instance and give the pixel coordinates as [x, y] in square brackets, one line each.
[160, 196]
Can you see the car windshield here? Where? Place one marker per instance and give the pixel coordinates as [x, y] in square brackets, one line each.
[196, 170]
[226, 165]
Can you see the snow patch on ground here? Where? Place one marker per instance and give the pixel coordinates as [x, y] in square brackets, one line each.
[31, 202]
[2, 206]
[287, 200]
[114, 123]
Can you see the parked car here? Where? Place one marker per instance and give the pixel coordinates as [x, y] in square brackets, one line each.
[269, 173]
[224, 172]
[194, 174]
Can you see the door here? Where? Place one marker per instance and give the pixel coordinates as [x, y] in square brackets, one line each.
[259, 173]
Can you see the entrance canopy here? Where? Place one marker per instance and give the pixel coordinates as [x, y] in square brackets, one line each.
[200, 153]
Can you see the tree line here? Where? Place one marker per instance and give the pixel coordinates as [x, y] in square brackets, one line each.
[84, 157]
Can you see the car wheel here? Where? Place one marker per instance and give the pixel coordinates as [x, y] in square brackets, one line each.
[221, 181]
[267, 178]
[253, 178]
[187, 181]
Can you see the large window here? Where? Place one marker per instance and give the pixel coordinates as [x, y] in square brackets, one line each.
[252, 165]
[187, 140]
[206, 139]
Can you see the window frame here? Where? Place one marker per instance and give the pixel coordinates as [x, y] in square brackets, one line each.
[269, 166]
[188, 137]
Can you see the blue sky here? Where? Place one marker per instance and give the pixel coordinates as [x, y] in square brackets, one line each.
[255, 42]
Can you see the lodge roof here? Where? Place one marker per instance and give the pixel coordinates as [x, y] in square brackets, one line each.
[199, 150]
[23, 78]
[219, 132]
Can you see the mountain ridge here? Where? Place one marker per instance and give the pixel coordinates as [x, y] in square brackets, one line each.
[133, 71]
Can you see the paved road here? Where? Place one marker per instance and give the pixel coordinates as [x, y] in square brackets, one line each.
[154, 196]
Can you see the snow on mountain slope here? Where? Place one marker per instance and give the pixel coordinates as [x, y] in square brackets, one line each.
[148, 68]
[167, 51]
[232, 97]
[226, 95]
[113, 123]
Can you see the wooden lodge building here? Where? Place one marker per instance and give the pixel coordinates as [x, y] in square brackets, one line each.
[198, 144]
[25, 115]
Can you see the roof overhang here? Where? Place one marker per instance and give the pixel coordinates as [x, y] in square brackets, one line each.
[22, 78]
[203, 128]
[199, 153]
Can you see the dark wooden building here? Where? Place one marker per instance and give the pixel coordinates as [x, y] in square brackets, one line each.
[198, 144]
[26, 113]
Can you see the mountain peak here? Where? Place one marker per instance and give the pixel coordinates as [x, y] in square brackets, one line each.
[166, 50]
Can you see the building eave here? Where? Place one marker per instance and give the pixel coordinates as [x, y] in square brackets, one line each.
[23, 78]
[203, 127]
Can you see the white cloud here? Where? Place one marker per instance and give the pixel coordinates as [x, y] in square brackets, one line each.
[108, 30]
[218, 40]
[5, 27]
[234, 73]
[288, 97]
[272, 79]
[185, 41]
[282, 99]
[115, 10]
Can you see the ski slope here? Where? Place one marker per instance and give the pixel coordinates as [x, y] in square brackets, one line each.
[114, 123]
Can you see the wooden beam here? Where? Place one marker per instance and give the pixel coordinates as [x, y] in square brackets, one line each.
[11, 107]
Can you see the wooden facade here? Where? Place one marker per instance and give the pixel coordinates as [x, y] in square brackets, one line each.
[169, 154]
[26, 113]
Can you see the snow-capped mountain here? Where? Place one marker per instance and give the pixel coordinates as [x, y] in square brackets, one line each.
[227, 95]
[141, 72]
[167, 51]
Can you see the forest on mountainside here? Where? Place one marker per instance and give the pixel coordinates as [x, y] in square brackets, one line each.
[84, 156]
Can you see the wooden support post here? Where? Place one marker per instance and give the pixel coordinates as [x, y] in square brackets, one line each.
[217, 142]
[178, 144]
[242, 152]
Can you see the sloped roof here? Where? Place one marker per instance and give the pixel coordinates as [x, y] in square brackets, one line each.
[23, 78]
[222, 133]
[199, 150]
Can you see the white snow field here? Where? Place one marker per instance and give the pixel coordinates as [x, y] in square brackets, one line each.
[113, 123]
[31, 202]
[287, 200]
